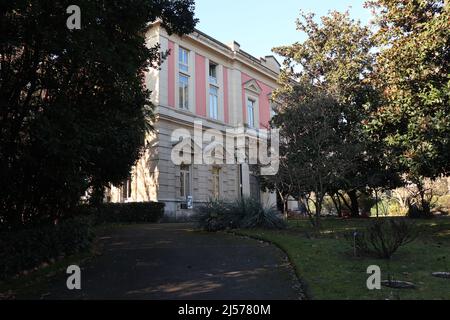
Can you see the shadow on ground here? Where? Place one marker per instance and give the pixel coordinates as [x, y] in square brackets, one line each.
[172, 261]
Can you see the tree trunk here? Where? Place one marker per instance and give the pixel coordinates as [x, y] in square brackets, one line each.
[285, 207]
[337, 205]
[354, 206]
[376, 202]
[425, 205]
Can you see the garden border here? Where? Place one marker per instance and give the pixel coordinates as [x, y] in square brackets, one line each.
[303, 286]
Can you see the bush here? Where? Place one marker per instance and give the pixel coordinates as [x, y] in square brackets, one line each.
[417, 212]
[28, 248]
[215, 215]
[254, 215]
[328, 206]
[244, 213]
[443, 204]
[396, 210]
[366, 202]
[382, 238]
[139, 212]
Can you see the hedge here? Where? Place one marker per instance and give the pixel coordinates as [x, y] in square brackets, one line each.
[139, 212]
[26, 249]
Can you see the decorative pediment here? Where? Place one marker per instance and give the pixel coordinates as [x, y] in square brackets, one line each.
[252, 85]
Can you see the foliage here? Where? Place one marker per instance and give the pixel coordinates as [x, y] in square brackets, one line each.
[29, 248]
[255, 215]
[443, 203]
[415, 211]
[366, 201]
[394, 209]
[328, 206]
[412, 71]
[245, 213]
[215, 215]
[382, 238]
[335, 57]
[139, 212]
[331, 68]
[308, 137]
[74, 107]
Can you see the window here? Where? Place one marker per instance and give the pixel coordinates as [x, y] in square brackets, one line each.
[183, 60]
[213, 102]
[216, 183]
[126, 189]
[183, 91]
[185, 181]
[213, 73]
[251, 113]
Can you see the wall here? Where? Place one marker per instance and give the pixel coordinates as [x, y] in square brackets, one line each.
[155, 177]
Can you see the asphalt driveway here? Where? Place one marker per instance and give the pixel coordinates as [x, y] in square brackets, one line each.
[172, 261]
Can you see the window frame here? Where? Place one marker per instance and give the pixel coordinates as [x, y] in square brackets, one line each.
[183, 92]
[253, 107]
[185, 181]
[183, 65]
[214, 110]
[213, 79]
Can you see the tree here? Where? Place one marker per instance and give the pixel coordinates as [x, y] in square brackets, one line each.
[283, 183]
[337, 58]
[413, 72]
[74, 108]
[309, 146]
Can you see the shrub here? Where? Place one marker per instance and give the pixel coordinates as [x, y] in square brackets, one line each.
[244, 213]
[383, 208]
[139, 212]
[395, 209]
[417, 212]
[27, 248]
[382, 238]
[443, 203]
[215, 215]
[254, 215]
[328, 206]
[366, 202]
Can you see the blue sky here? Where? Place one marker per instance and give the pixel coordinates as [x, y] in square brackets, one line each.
[260, 25]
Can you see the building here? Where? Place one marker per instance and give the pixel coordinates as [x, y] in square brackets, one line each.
[201, 80]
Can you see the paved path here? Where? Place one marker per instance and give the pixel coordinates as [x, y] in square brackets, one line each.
[171, 261]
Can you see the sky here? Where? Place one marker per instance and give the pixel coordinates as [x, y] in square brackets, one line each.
[260, 25]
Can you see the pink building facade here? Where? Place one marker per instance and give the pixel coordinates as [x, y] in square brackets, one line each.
[202, 80]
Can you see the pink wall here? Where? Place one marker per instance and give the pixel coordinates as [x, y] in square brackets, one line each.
[225, 95]
[264, 104]
[171, 75]
[200, 85]
[201, 95]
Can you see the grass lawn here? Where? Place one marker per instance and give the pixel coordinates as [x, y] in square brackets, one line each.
[329, 270]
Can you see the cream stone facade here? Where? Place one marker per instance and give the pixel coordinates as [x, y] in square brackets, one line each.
[226, 88]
